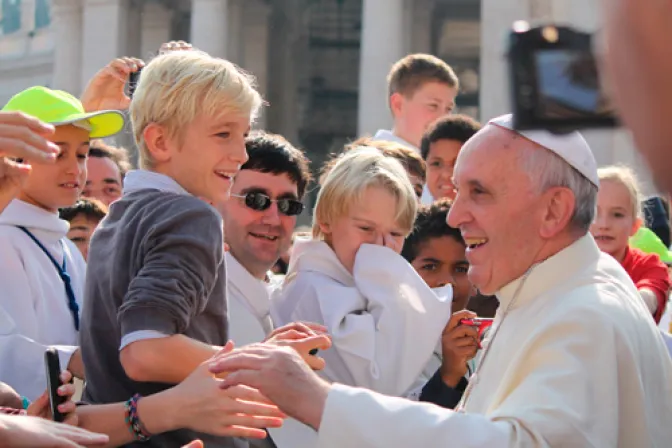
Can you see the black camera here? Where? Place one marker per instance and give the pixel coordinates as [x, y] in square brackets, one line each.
[133, 80]
[555, 83]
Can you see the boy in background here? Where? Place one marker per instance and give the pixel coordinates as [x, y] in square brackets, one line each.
[107, 166]
[83, 217]
[421, 88]
[439, 148]
[437, 252]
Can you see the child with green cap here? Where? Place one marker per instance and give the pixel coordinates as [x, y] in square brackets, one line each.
[42, 273]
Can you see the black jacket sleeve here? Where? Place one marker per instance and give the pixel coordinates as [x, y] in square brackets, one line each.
[437, 392]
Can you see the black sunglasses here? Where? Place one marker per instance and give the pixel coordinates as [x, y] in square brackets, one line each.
[260, 202]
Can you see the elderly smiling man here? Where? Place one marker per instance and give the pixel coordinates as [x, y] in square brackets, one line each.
[573, 358]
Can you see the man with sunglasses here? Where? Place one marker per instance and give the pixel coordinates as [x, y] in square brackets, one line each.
[259, 220]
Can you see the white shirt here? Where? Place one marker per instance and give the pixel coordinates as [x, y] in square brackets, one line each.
[249, 304]
[34, 312]
[389, 136]
[383, 319]
[577, 362]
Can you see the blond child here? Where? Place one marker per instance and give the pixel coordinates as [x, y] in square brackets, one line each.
[383, 319]
[619, 216]
[156, 282]
[409, 159]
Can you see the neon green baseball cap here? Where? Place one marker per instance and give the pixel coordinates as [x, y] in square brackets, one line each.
[648, 242]
[58, 108]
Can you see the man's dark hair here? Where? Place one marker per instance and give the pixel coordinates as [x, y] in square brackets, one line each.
[451, 127]
[271, 153]
[119, 155]
[430, 224]
[91, 208]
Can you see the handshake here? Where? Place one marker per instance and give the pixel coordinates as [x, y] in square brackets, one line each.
[232, 394]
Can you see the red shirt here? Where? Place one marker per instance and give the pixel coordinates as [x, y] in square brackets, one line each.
[647, 271]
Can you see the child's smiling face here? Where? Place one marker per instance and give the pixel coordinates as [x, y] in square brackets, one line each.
[441, 260]
[57, 185]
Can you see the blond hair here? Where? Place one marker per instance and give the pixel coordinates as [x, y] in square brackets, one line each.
[626, 177]
[175, 88]
[409, 159]
[348, 179]
[415, 70]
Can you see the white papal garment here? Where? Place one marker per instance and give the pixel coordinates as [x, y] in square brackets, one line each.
[577, 362]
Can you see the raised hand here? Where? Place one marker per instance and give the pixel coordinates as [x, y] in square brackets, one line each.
[21, 137]
[175, 45]
[459, 344]
[105, 90]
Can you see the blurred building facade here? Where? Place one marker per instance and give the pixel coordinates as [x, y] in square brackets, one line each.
[321, 64]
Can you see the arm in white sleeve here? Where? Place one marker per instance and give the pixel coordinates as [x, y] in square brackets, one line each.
[650, 299]
[22, 359]
[561, 396]
[21, 356]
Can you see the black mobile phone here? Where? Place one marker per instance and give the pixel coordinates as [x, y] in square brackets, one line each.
[555, 81]
[53, 366]
[133, 80]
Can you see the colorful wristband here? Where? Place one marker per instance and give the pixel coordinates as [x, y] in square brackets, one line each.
[133, 422]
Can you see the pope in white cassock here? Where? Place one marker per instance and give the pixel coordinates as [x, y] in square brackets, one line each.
[573, 359]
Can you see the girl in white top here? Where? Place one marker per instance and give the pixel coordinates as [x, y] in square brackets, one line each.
[383, 319]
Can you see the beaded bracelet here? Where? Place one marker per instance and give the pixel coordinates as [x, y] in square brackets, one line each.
[133, 422]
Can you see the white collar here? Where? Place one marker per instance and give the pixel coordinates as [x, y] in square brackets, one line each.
[143, 179]
[254, 291]
[20, 213]
[316, 255]
[563, 268]
[389, 136]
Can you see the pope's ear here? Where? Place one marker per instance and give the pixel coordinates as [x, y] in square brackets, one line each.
[557, 214]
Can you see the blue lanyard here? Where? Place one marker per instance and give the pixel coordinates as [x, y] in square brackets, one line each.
[63, 273]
